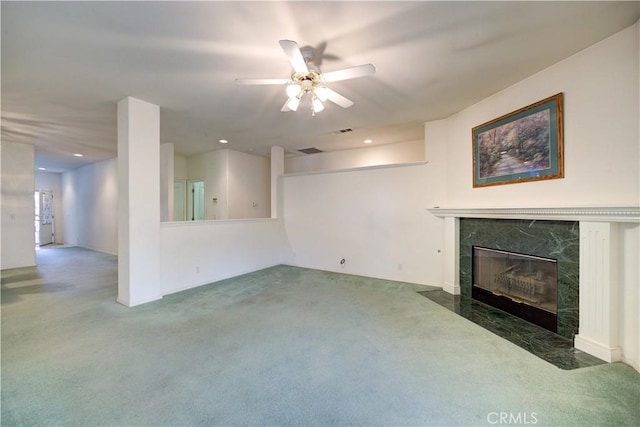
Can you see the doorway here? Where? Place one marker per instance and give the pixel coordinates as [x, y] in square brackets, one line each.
[44, 217]
[195, 200]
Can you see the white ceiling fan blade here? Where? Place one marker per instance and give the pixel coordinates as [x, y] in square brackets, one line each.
[262, 81]
[349, 73]
[292, 51]
[336, 98]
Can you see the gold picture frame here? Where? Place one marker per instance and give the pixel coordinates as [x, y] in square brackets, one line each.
[522, 146]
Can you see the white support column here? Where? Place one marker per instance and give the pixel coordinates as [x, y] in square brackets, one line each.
[166, 182]
[599, 324]
[277, 170]
[18, 184]
[451, 255]
[138, 202]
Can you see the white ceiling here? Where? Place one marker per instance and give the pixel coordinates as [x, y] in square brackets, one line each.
[66, 64]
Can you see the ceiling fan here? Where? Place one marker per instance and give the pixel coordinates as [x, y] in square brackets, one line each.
[306, 78]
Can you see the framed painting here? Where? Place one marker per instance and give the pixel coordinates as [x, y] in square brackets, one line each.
[525, 145]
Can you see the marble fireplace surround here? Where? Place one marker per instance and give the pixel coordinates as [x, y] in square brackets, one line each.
[557, 240]
[599, 265]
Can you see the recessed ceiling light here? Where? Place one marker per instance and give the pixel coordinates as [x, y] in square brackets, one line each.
[223, 141]
[42, 169]
[368, 141]
[78, 155]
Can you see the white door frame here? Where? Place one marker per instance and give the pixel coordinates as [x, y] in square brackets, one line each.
[44, 217]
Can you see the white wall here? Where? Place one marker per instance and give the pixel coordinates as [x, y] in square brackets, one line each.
[600, 86]
[334, 215]
[249, 185]
[90, 200]
[374, 219]
[195, 253]
[53, 182]
[18, 206]
[212, 167]
[201, 252]
[179, 167]
[236, 180]
[375, 155]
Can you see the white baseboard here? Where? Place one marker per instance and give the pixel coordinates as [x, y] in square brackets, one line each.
[608, 354]
[123, 301]
[451, 288]
[130, 304]
[633, 363]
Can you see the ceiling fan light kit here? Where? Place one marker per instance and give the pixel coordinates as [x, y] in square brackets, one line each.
[292, 104]
[317, 104]
[307, 78]
[293, 90]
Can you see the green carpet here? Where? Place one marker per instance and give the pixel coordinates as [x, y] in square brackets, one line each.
[282, 346]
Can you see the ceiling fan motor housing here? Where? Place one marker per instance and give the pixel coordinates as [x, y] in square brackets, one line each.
[306, 81]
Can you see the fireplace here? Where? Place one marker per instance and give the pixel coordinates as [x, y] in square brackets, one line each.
[520, 284]
[557, 240]
[596, 251]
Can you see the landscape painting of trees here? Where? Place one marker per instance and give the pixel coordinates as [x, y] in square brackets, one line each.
[522, 146]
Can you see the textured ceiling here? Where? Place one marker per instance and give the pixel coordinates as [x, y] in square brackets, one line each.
[66, 64]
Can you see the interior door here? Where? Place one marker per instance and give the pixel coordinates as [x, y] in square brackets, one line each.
[44, 218]
[195, 201]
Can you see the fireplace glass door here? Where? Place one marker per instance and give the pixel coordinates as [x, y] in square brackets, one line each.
[523, 285]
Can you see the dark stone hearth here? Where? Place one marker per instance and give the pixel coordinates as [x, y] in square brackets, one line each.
[548, 346]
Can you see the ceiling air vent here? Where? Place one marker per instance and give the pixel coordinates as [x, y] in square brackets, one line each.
[346, 130]
[311, 150]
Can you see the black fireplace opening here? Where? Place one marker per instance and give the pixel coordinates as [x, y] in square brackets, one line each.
[523, 285]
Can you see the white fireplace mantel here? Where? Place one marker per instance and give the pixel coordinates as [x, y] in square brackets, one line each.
[594, 214]
[600, 262]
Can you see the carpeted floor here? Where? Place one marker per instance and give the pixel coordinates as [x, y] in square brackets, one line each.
[282, 346]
